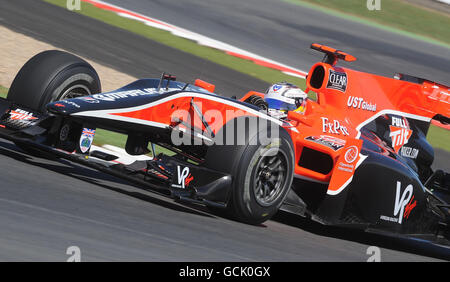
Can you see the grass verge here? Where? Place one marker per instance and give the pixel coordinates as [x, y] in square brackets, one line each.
[185, 45]
[105, 137]
[3, 91]
[395, 15]
[439, 138]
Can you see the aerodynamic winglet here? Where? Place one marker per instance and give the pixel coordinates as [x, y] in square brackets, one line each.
[332, 55]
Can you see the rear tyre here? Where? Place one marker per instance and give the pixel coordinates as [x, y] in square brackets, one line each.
[262, 174]
[52, 76]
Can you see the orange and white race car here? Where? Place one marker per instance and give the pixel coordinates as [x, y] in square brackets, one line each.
[355, 156]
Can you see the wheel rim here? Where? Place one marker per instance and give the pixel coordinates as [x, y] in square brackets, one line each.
[75, 91]
[270, 178]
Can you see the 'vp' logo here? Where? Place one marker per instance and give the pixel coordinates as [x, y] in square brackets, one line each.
[183, 177]
[401, 202]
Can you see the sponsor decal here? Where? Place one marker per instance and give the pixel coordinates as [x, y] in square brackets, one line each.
[359, 103]
[87, 136]
[333, 127]
[276, 87]
[351, 154]
[440, 95]
[409, 207]
[409, 152]
[113, 96]
[345, 167]
[88, 99]
[19, 114]
[399, 136]
[337, 80]
[71, 103]
[403, 205]
[399, 133]
[400, 122]
[329, 141]
[182, 178]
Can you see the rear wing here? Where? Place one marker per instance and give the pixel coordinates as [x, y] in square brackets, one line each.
[437, 96]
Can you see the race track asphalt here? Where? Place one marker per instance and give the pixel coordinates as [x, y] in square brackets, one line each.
[283, 32]
[46, 206]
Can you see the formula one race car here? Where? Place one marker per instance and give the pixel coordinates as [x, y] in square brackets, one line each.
[356, 157]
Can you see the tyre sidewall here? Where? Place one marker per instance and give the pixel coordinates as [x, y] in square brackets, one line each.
[45, 76]
[72, 76]
[243, 199]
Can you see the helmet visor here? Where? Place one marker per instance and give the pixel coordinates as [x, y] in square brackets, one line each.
[280, 105]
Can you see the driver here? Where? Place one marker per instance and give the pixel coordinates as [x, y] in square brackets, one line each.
[283, 97]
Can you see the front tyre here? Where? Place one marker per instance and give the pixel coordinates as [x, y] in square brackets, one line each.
[52, 76]
[264, 180]
[262, 174]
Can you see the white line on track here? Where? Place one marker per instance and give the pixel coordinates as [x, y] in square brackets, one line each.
[200, 39]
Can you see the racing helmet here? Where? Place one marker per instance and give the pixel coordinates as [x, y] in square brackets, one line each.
[286, 97]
